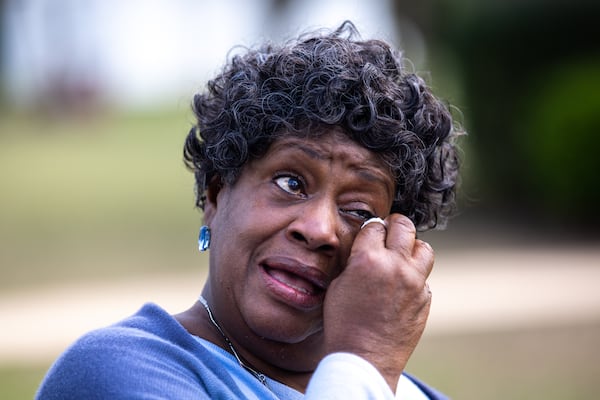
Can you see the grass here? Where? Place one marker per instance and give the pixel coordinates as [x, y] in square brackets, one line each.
[88, 197]
[550, 363]
[20, 382]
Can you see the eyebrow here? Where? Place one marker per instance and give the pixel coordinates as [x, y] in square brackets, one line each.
[369, 175]
[365, 173]
[311, 152]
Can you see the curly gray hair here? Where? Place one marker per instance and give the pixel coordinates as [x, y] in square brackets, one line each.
[319, 81]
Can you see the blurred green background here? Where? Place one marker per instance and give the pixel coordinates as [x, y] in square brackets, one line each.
[93, 189]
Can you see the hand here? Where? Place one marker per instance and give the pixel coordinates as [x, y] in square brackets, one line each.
[378, 307]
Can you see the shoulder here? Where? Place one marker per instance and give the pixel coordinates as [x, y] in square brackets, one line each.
[148, 331]
[119, 360]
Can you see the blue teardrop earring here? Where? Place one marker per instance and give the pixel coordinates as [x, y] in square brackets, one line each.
[204, 238]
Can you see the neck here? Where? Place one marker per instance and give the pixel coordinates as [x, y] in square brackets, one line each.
[244, 364]
[197, 322]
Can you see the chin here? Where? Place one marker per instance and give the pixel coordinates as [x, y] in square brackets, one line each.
[284, 327]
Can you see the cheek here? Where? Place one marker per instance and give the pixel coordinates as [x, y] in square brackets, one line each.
[346, 243]
[241, 226]
[347, 249]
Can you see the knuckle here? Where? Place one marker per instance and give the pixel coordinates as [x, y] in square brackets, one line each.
[414, 284]
[366, 259]
[375, 227]
[426, 251]
[425, 246]
[404, 223]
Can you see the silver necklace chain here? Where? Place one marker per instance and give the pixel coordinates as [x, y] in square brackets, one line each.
[261, 377]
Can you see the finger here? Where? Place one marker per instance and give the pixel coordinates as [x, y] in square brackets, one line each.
[372, 220]
[371, 235]
[401, 234]
[423, 257]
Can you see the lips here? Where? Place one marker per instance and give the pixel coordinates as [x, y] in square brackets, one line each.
[293, 281]
[296, 284]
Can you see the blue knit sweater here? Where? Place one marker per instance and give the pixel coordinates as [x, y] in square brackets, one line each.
[149, 356]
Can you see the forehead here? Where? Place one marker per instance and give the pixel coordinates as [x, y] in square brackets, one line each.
[334, 146]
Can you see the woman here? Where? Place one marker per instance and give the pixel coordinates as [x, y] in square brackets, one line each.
[315, 164]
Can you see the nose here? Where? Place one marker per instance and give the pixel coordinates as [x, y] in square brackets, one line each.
[316, 226]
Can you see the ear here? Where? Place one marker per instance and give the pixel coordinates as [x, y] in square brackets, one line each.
[210, 205]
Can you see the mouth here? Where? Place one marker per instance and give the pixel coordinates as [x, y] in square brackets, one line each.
[296, 284]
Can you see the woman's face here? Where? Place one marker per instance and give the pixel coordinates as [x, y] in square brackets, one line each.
[284, 231]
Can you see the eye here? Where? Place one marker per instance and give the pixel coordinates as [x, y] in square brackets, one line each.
[361, 214]
[290, 184]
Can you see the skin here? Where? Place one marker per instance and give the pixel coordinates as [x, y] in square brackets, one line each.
[292, 276]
